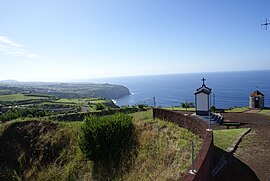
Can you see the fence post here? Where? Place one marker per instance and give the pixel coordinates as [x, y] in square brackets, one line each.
[154, 99]
[192, 171]
[209, 121]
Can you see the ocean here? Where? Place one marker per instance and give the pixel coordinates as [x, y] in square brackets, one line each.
[230, 89]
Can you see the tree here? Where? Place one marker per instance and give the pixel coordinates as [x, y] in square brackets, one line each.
[187, 104]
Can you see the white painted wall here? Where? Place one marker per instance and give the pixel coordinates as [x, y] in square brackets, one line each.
[202, 102]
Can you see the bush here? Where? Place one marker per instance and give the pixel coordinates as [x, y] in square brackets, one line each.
[22, 113]
[213, 109]
[142, 107]
[100, 106]
[109, 141]
[187, 105]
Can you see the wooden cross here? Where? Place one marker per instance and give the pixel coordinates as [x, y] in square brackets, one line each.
[203, 80]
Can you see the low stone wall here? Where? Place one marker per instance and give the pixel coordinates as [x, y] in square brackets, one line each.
[204, 161]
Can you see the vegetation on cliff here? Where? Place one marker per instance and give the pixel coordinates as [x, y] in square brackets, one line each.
[66, 90]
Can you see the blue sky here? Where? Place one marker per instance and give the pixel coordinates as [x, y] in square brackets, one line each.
[61, 40]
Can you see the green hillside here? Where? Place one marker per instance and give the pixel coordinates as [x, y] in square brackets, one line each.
[45, 150]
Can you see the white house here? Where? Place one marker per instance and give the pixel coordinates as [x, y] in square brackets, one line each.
[202, 100]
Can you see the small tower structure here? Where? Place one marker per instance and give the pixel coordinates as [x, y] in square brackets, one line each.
[202, 99]
[256, 100]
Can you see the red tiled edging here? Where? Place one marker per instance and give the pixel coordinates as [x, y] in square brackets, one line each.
[205, 159]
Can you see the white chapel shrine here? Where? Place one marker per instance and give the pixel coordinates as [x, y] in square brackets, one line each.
[202, 100]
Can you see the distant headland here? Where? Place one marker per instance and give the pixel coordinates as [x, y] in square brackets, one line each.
[70, 90]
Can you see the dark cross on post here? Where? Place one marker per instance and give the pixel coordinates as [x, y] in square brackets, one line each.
[265, 24]
[203, 80]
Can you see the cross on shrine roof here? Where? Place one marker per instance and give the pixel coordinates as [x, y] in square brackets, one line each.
[203, 88]
[203, 80]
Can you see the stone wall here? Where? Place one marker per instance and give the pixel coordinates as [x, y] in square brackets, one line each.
[80, 116]
[253, 99]
[204, 161]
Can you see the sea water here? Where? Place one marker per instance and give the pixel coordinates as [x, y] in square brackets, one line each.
[229, 89]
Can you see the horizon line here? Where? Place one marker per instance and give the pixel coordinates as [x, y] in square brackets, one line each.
[85, 80]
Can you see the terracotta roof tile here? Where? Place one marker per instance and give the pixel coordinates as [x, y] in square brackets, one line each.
[256, 93]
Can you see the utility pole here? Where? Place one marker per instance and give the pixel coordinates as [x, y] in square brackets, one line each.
[186, 108]
[209, 116]
[192, 171]
[214, 101]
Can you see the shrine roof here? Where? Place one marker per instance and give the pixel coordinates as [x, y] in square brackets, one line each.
[203, 89]
[256, 94]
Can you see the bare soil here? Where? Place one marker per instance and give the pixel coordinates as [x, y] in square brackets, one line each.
[251, 161]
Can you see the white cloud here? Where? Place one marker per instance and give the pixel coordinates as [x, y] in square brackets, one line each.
[9, 46]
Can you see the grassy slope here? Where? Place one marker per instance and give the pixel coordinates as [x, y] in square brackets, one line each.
[60, 142]
[165, 149]
[164, 152]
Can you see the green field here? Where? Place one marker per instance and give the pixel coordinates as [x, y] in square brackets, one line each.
[4, 91]
[19, 97]
[70, 101]
[82, 101]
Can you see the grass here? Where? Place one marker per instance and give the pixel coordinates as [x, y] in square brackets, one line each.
[70, 101]
[237, 110]
[223, 139]
[19, 97]
[4, 91]
[89, 103]
[165, 149]
[247, 142]
[82, 101]
[63, 142]
[265, 112]
[177, 108]
[164, 152]
[98, 101]
[72, 125]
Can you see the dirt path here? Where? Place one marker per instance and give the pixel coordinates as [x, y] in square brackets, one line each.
[253, 111]
[254, 150]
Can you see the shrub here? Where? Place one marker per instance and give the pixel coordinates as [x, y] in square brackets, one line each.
[142, 107]
[100, 106]
[187, 105]
[109, 141]
[213, 109]
[17, 113]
